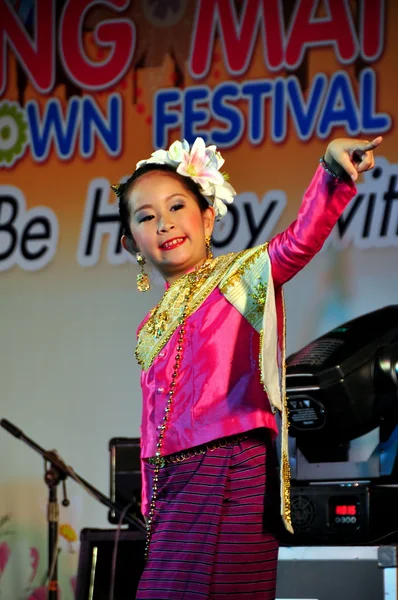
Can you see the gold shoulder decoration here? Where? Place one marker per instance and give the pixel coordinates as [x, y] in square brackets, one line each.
[245, 284]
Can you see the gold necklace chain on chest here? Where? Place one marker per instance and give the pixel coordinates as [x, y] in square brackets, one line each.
[159, 318]
[158, 321]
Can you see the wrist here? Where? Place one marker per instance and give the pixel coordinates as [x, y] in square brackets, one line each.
[333, 168]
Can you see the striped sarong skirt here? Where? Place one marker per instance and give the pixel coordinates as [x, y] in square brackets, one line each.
[215, 527]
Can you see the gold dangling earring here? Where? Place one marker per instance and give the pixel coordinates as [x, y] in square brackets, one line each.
[208, 246]
[143, 284]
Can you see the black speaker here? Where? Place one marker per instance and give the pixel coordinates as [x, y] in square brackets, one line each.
[125, 475]
[95, 564]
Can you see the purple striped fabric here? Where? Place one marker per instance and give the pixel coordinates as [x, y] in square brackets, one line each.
[210, 535]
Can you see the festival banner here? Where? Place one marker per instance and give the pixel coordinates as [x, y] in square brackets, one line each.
[87, 89]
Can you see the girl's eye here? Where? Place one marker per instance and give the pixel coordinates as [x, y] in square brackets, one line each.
[145, 218]
[177, 206]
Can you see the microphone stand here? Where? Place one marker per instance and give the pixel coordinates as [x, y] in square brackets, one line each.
[55, 472]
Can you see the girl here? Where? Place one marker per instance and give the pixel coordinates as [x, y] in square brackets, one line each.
[209, 353]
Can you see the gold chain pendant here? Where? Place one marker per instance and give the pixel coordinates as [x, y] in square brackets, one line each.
[194, 280]
[159, 460]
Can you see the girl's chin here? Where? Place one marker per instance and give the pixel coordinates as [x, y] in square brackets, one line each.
[178, 264]
[175, 256]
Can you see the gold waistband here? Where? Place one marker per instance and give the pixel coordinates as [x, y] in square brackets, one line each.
[196, 451]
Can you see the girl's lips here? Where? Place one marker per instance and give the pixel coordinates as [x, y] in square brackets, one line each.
[173, 243]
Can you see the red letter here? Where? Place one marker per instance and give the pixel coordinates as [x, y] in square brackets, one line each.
[36, 56]
[237, 39]
[372, 29]
[117, 34]
[306, 30]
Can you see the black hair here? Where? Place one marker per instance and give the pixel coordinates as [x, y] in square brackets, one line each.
[125, 188]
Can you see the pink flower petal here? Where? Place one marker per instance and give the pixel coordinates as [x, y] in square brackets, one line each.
[199, 146]
[211, 175]
[5, 552]
[35, 558]
[198, 152]
[40, 594]
[182, 169]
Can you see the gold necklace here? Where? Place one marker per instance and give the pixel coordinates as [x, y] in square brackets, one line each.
[158, 320]
[194, 279]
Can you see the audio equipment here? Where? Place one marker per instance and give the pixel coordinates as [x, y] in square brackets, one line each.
[95, 564]
[125, 475]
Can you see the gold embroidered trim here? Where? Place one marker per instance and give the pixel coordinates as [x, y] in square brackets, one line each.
[286, 506]
[259, 296]
[260, 358]
[285, 467]
[158, 324]
[250, 257]
[246, 284]
[164, 319]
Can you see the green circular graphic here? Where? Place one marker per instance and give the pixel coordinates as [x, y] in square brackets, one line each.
[13, 137]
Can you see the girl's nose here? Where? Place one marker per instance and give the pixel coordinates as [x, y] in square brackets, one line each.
[165, 224]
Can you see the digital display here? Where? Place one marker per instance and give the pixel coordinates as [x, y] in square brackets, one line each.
[345, 509]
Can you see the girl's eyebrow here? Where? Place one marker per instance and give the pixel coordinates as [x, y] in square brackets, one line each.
[174, 194]
[142, 207]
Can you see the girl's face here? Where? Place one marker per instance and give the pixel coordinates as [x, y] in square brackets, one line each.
[167, 224]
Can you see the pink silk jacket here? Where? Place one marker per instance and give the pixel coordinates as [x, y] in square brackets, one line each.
[219, 388]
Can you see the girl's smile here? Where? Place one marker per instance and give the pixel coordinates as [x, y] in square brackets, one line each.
[172, 243]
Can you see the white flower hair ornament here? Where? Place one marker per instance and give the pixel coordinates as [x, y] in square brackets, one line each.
[202, 165]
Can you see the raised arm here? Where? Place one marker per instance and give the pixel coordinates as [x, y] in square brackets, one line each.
[323, 203]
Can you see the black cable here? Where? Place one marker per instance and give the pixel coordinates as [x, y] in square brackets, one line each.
[115, 548]
[386, 535]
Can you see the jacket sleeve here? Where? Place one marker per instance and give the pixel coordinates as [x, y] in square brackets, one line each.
[323, 203]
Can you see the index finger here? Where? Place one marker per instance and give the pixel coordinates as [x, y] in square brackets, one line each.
[366, 146]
